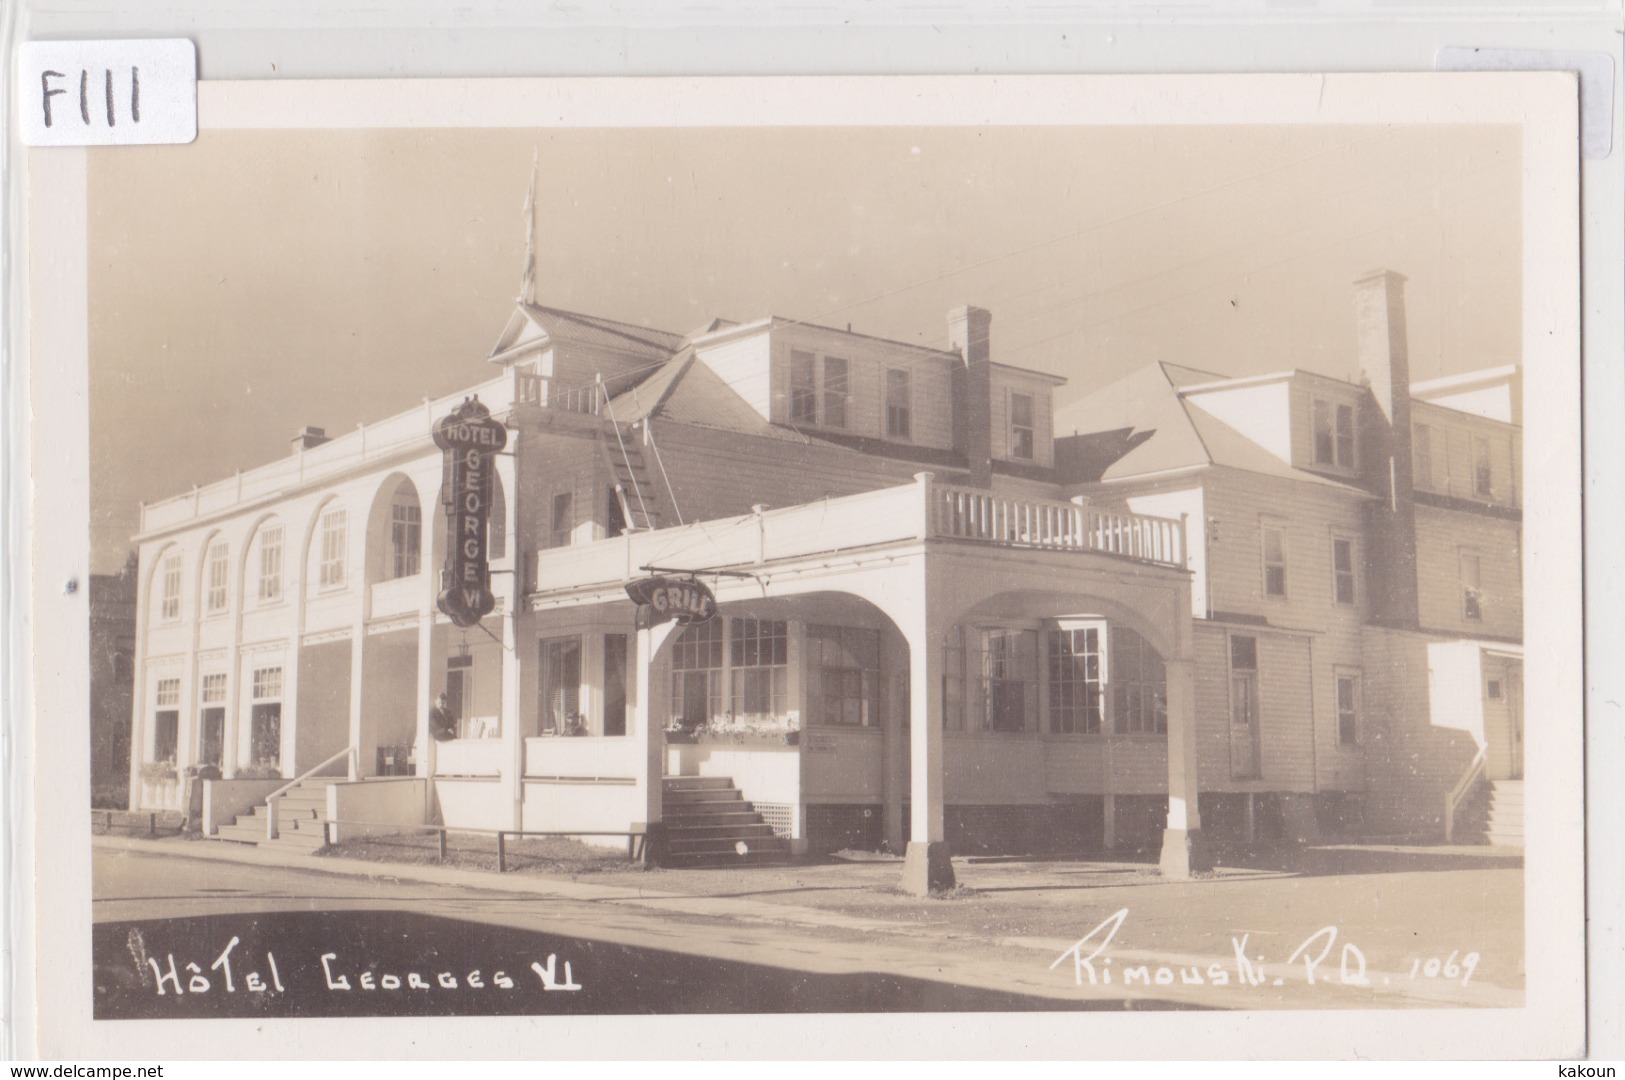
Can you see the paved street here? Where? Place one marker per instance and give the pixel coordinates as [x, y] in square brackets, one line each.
[806, 938]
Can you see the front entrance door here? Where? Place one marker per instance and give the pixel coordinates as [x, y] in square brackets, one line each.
[1243, 708]
[1503, 719]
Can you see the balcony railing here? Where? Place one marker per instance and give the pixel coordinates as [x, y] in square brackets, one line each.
[970, 514]
[924, 510]
[543, 390]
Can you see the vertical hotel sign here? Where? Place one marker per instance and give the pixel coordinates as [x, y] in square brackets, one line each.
[469, 439]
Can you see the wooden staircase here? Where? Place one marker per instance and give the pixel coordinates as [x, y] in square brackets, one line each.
[1503, 823]
[708, 823]
[301, 819]
[634, 487]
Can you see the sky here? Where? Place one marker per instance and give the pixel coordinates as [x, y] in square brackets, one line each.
[258, 281]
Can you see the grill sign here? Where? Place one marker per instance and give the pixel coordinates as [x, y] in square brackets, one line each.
[469, 437]
[662, 598]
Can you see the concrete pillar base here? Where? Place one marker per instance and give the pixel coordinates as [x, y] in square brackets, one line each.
[654, 844]
[1302, 824]
[1184, 852]
[926, 868]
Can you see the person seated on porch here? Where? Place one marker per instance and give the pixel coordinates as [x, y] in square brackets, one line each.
[442, 725]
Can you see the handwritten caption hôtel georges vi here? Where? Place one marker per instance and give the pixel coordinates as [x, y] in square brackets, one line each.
[230, 974]
[1092, 967]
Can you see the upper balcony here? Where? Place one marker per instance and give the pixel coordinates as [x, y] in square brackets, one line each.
[925, 510]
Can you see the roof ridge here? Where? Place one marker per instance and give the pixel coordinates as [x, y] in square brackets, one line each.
[614, 326]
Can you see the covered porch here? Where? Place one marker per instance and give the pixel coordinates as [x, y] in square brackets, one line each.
[925, 647]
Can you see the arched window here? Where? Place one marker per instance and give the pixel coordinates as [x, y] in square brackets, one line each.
[405, 531]
[265, 563]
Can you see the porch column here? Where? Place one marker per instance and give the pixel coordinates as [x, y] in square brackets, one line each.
[512, 734]
[1183, 849]
[646, 724]
[925, 865]
[425, 741]
[895, 760]
[358, 654]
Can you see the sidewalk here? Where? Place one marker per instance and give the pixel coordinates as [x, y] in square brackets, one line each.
[1399, 904]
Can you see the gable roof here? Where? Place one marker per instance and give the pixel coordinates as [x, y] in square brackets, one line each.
[1144, 401]
[1165, 432]
[534, 321]
[685, 392]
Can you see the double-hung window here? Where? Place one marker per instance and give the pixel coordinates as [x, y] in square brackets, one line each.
[1274, 537]
[406, 538]
[696, 674]
[899, 409]
[1345, 436]
[561, 687]
[1472, 587]
[837, 390]
[843, 675]
[212, 720]
[265, 717]
[1343, 575]
[219, 569]
[803, 388]
[270, 563]
[1332, 432]
[758, 663]
[1348, 709]
[1076, 680]
[169, 603]
[1021, 426]
[335, 538]
[166, 726]
[1009, 672]
[563, 522]
[1139, 684]
[1483, 474]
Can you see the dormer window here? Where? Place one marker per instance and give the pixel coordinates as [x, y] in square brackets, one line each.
[1333, 429]
[836, 391]
[1021, 426]
[803, 388]
[899, 413]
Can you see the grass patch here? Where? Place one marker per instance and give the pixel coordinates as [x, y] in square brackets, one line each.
[957, 892]
[472, 851]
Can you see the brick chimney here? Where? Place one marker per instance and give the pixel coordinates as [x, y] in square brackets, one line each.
[969, 333]
[309, 437]
[1385, 431]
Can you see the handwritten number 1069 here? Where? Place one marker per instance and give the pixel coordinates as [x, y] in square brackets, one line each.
[1433, 967]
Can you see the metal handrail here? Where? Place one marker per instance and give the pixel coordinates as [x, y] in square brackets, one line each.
[649, 437]
[270, 800]
[1453, 799]
[636, 839]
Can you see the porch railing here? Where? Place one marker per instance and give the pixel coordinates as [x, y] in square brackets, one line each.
[271, 799]
[1458, 794]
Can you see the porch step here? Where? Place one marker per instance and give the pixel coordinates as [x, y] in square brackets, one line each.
[301, 817]
[697, 783]
[682, 796]
[692, 807]
[709, 823]
[1504, 823]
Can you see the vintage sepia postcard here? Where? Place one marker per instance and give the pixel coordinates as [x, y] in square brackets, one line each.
[721, 551]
